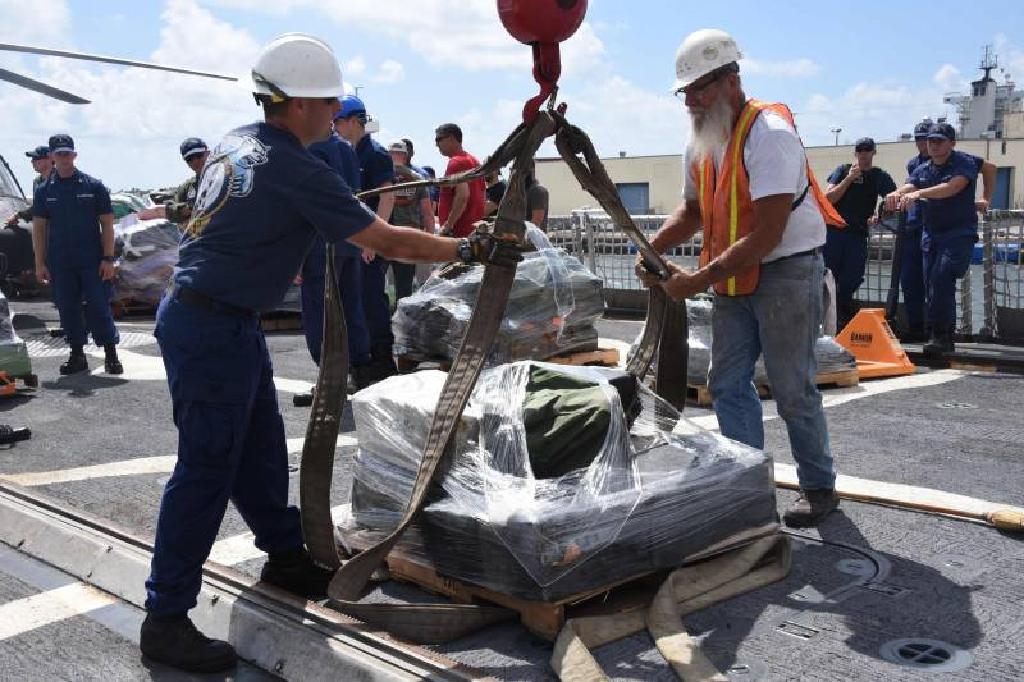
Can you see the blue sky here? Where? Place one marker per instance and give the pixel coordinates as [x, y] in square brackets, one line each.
[872, 68]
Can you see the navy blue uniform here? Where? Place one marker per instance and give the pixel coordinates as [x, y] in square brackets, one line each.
[262, 199]
[912, 261]
[74, 250]
[339, 155]
[846, 250]
[950, 230]
[376, 168]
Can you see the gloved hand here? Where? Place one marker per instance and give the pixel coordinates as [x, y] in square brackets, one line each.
[491, 249]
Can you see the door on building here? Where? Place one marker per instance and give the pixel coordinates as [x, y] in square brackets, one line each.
[1002, 197]
[636, 197]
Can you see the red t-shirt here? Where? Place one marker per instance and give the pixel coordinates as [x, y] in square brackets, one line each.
[474, 204]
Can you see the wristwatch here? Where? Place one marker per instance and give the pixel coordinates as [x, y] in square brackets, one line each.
[465, 251]
[108, 259]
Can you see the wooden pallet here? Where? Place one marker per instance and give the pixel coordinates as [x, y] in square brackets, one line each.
[131, 308]
[603, 357]
[701, 395]
[546, 618]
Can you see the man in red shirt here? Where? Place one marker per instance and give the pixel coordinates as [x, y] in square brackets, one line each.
[462, 205]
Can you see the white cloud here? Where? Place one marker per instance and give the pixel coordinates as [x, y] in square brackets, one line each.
[390, 71]
[354, 67]
[793, 68]
[949, 78]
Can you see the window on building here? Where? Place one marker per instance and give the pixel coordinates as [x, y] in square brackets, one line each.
[1002, 197]
[636, 196]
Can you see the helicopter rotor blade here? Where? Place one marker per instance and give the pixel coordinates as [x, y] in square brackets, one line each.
[110, 60]
[43, 88]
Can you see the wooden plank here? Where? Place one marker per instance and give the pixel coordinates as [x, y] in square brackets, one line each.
[701, 395]
[608, 357]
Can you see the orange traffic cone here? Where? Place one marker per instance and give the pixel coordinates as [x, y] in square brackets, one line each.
[870, 339]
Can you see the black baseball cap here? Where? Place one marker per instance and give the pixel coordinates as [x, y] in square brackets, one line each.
[864, 144]
[61, 142]
[40, 152]
[192, 146]
[942, 131]
[921, 130]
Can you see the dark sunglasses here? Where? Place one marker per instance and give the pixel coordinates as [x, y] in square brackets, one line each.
[441, 137]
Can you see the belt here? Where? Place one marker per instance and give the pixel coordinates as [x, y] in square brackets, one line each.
[816, 251]
[198, 299]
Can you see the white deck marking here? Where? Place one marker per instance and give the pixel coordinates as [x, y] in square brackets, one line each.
[129, 467]
[49, 607]
[238, 548]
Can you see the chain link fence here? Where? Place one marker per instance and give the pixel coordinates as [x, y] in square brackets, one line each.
[990, 300]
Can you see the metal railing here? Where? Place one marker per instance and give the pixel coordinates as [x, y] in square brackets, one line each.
[990, 300]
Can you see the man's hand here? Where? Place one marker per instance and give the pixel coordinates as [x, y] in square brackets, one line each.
[981, 205]
[892, 201]
[492, 249]
[42, 273]
[646, 277]
[107, 270]
[369, 255]
[447, 230]
[854, 173]
[681, 284]
[908, 200]
[12, 221]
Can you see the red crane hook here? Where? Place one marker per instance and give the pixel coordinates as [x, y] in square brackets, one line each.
[542, 24]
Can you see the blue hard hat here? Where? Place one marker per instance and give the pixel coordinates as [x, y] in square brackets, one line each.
[350, 105]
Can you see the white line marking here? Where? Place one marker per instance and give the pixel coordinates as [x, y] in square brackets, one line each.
[49, 607]
[130, 467]
[238, 548]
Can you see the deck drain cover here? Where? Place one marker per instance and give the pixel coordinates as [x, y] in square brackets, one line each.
[954, 405]
[926, 654]
[747, 671]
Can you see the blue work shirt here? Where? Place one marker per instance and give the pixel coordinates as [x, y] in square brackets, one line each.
[72, 207]
[339, 155]
[262, 199]
[953, 216]
[914, 214]
[375, 167]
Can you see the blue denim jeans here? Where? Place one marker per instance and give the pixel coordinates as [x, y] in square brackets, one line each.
[781, 319]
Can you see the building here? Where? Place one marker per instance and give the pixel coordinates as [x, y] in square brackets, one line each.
[982, 113]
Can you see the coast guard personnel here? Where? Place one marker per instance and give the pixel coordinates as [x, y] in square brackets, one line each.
[912, 261]
[263, 199]
[41, 164]
[194, 153]
[73, 239]
[948, 180]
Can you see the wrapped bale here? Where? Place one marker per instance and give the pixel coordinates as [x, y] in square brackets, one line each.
[13, 352]
[552, 308]
[527, 505]
[148, 251]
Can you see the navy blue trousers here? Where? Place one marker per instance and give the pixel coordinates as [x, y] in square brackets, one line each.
[350, 284]
[70, 288]
[377, 308]
[945, 261]
[912, 278]
[231, 446]
[846, 253]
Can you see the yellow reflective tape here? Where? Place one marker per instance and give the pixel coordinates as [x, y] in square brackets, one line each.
[739, 137]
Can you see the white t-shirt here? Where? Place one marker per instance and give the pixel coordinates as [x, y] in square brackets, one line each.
[776, 164]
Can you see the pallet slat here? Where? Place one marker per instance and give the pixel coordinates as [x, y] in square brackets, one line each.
[700, 395]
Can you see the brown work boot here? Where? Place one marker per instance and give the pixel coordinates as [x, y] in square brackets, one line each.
[811, 508]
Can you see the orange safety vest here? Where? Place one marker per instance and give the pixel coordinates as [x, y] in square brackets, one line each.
[726, 210]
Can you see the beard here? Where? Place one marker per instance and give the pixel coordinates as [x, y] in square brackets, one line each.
[711, 129]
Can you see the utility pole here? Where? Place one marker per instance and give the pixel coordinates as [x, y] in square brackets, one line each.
[836, 131]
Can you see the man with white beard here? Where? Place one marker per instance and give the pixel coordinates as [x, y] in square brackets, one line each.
[748, 186]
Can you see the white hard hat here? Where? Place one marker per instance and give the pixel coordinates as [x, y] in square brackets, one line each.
[297, 65]
[398, 146]
[701, 53]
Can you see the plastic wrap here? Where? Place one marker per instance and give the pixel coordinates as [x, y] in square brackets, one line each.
[648, 498]
[13, 353]
[148, 251]
[552, 308]
[831, 357]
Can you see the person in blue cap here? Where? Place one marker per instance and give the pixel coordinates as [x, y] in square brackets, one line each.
[178, 209]
[337, 153]
[263, 198]
[73, 240]
[948, 180]
[376, 170]
[912, 260]
[43, 166]
[854, 189]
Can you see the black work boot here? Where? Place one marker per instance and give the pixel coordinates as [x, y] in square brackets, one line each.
[296, 572]
[303, 399]
[111, 363]
[362, 376]
[811, 508]
[175, 641]
[941, 343]
[76, 362]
